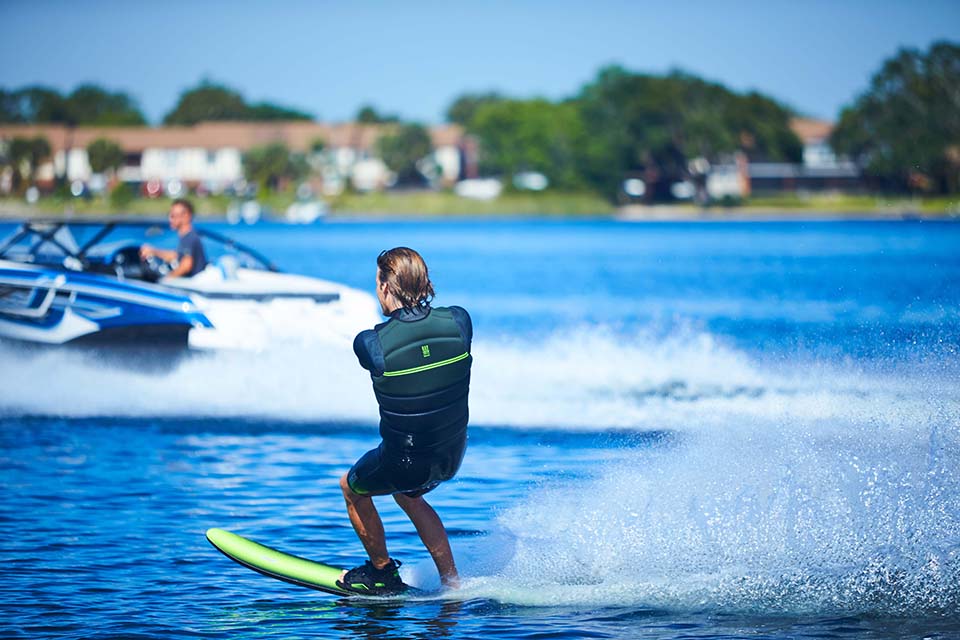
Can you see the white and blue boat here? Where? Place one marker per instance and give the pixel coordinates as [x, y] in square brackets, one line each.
[82, 282]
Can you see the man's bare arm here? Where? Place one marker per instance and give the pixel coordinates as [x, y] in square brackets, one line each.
[186, 264]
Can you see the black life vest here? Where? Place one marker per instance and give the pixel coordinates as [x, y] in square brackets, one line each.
[423, 389]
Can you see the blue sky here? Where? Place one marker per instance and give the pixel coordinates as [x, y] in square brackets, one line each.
[414, 58]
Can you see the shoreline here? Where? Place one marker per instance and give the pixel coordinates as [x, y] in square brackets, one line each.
[444, 207]
[772, 214]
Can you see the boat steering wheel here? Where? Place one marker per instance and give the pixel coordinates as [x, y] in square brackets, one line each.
[154, 268]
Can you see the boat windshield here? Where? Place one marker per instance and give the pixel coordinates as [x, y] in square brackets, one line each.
[39, 243]
[89, 245]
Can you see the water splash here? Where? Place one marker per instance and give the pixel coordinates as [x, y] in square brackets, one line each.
[799, 517]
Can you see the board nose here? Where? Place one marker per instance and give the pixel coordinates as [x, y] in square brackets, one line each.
[215, 534]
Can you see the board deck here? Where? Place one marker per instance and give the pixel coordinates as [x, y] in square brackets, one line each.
[287, 567]
[277, 564]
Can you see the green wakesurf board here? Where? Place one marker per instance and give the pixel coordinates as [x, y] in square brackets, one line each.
[284, 566]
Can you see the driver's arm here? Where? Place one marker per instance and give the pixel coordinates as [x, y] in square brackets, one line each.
[186, 264]
[166, 255]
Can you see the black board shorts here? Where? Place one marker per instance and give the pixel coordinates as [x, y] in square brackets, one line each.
[380, 472]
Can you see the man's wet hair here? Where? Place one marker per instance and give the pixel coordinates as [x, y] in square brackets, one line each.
[406, 275]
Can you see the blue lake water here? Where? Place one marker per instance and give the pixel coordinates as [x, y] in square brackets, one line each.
[678, 431]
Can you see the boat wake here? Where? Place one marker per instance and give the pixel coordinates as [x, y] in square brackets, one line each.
[589, 379]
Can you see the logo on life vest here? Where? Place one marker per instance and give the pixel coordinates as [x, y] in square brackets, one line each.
[426, 350]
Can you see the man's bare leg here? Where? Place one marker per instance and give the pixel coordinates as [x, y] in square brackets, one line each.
[366, 522]
[433, 535]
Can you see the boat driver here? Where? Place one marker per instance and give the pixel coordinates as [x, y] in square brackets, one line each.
[189, 258]
[419, 361]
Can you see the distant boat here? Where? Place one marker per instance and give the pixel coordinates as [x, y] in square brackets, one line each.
[530, 181]
[306, 212]
[249, 211]
[479, 188]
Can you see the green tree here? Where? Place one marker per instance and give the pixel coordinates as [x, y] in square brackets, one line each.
[637, 123]
[905, 128]
[35, 104]
[367, 114]
[104, 155]
[87, 104]
[9, 107]
[272, 164]
[530, 135]
[402, 148]
[269, 111]
[90, 104]
[25, 156]
[462, 110]
[762, 128]
[208, 101]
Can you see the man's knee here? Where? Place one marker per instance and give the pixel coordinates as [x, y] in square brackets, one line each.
[348, 492]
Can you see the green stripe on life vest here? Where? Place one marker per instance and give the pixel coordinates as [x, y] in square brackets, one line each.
[427, 367]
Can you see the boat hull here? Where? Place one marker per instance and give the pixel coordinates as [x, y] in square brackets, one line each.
[46, 306]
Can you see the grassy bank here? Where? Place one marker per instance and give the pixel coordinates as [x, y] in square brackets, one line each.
[842, 203]
[211, 207]
[401, 203]
[441, 204]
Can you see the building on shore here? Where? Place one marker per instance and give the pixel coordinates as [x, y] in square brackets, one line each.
[820, 170]
[209, 155]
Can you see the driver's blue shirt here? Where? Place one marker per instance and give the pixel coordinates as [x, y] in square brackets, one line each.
[191, 245]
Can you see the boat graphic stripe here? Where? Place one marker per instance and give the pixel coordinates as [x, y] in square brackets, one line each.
[163, 300]
[427, 367]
